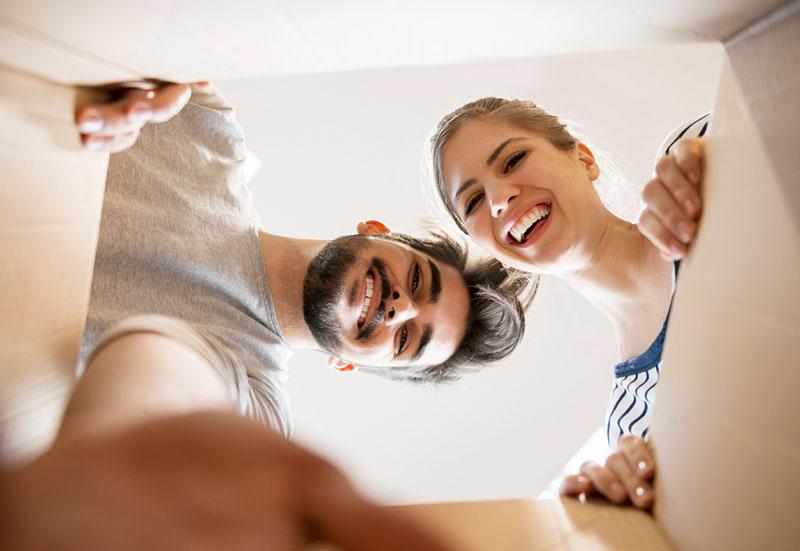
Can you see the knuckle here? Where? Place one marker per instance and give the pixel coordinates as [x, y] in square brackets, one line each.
[650, 190]
[615, 458]
[664, 164]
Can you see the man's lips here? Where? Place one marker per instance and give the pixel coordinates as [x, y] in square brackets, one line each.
[374, 301]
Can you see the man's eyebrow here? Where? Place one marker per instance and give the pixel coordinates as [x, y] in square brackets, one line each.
[436, 282]
[427, 332]
[496, 152]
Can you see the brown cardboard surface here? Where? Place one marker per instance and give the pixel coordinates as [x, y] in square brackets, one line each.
[537, 525]
[50, 201]
[725, 429]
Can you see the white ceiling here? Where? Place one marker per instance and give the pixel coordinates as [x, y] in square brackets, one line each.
[96, 40]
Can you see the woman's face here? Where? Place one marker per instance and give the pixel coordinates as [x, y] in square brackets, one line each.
[525, 201]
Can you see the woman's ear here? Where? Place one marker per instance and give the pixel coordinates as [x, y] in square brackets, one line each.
[586, 157]
[371, 227]
[340, 365]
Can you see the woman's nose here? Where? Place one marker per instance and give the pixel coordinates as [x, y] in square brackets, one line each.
[400, 308]
[499, 196]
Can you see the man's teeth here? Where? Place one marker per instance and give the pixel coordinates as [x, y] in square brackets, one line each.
[524, 224]
[367, 299]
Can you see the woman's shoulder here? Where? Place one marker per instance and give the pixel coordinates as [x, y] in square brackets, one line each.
[695, 128]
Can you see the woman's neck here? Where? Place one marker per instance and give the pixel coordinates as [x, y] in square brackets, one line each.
[624, 276]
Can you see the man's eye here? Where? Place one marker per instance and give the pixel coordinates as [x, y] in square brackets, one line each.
[415, 279]
[472, 203]
[401, 345]
[513, 161]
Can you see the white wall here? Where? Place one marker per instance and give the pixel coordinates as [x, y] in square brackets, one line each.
[341, 147]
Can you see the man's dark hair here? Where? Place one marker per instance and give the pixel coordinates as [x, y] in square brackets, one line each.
[496, 318]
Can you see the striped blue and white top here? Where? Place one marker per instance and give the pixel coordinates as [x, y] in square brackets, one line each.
[633, 392]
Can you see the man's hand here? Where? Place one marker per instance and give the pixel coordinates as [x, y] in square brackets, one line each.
[114, 125]
[204, 481]
[625, 476]
[672, 201]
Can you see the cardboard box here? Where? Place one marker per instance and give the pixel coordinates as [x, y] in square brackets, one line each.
[725, 429]
[726, 426]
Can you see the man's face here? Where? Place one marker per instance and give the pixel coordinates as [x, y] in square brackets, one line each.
[380, 303]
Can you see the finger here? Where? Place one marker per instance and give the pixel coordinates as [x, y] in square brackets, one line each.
[605, 482]
[690, 157]
[662, 203]
[638, 490]
[653, 228]
[118, 117]
[638, 455]
[109, 144]
[168, 100]
[683, 191]
[575, 485]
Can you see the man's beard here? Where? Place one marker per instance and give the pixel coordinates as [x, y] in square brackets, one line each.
[324, 287]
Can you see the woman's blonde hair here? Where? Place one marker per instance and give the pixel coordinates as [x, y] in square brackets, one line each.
[523, 114]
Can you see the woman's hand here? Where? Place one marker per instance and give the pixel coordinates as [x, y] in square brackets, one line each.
[114, 125]
[672, 201]
[625, 476]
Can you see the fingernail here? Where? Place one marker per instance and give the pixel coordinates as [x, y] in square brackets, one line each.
[150, 94]
[639, 491]
[141, 112]
[688, 206]
[687, 231]
[582, 479]
[91, 121]
[675, 248]
[642, 465]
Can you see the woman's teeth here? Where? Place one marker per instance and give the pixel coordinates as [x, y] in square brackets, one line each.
[520, 231]
[367, 299]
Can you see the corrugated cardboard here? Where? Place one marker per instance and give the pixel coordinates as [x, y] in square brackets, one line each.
[726, 426]
[50, 201]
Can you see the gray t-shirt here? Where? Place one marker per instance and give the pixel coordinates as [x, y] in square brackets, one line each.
[179, 238]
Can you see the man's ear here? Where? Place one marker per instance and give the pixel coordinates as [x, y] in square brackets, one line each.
[340, 365]
[586, 157]
[371, 227]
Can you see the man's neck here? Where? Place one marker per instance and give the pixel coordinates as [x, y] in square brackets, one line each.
[623, 275]
[286, 261]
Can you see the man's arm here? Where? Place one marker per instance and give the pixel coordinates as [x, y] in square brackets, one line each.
[137, 377]
[210, 480]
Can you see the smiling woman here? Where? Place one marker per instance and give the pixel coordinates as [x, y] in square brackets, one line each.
[513, 177]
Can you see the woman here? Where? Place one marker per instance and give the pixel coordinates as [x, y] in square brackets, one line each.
[522, 186]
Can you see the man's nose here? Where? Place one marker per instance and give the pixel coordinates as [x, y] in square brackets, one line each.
[499, 196]
[400, 308]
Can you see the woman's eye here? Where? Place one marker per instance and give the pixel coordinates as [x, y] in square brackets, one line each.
[415, 279]
[513, 161]
[401, 345]
[472, 203]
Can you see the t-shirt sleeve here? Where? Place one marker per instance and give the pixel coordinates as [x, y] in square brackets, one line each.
[696, 128]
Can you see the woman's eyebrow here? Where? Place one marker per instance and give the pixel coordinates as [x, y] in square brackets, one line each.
[496, 152]
[465, 186]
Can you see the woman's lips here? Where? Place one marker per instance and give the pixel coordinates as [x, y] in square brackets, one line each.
[526, 222]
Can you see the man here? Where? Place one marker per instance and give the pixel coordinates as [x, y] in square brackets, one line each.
[182, 267]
